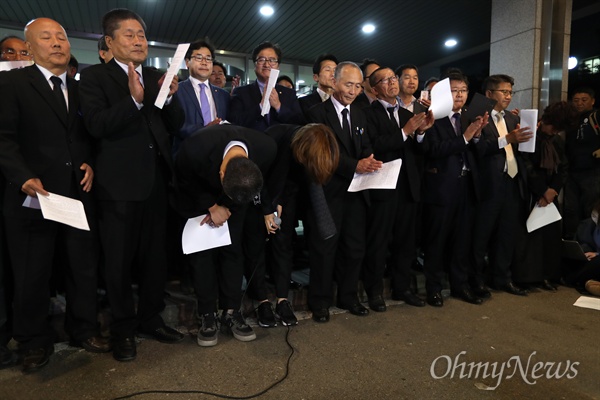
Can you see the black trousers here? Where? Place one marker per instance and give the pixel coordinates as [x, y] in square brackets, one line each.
[32, 244]
[133, 235]
[496, 222]
[281, 249]
[448, 239]
[217, 273]
[339, 257]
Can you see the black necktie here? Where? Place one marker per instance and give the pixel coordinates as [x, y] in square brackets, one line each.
[346, 128]
[57, 82]
[392, 117]
[457, 127]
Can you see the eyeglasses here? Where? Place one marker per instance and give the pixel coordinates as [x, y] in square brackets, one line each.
[504, 92]
[10, 53]
[200, 58]
[387, 80]
[262, 60]
[459, 91]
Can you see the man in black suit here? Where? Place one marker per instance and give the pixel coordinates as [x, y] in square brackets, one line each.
[503, 190]
[450, 192]
[364, 99]
[205, 169]
[323, 70]
[408, 76]
[45, 148]
[341, 255]
[394, 133]
[133, 167]
[245, 110]
[247, 100]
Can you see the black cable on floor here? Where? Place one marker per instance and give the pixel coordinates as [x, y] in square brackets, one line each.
[223, 396]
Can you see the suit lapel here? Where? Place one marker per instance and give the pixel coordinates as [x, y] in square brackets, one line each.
[73, 100]
[118, 75]
[216, 99]
[41, 85]
[190, 95]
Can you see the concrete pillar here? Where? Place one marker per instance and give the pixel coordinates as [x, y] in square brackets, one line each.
[529, 41]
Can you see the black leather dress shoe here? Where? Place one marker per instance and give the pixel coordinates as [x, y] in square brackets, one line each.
[467, 295]
[409, 298]
[377, 304]
[512, 289]
[164, 334]
[34, 359]
[546, 285]
[481, 291]
[320, 315]
[355, 309]
[435, 299]
[124, 349]
[94, 344]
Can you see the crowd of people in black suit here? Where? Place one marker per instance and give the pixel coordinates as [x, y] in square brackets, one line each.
[462, 195]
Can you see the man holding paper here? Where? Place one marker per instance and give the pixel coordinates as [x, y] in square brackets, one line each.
[44, 148]
[394, 132]
[450, 192]
[133, 167]
[503, 182]
[247, 101]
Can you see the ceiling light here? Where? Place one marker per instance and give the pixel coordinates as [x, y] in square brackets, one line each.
[300, 81]
[572, 62]
[221, 51]
[368, 28]
[267, 11]
[450, 43]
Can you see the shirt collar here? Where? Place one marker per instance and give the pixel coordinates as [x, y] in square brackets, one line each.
[195, 82]
[388, 105]
[324, 95]
[48, 75]
[125, 68]
[338, 106]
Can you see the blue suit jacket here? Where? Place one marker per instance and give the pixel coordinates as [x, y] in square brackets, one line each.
[245, 108]
[193, 113]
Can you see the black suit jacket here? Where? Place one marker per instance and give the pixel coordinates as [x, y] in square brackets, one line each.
[129, 142]
[245, 108]
[38, 139]
[198, 185]
[443, 162]
[307, 102]
[326, 114]
[492, 160]
[389, 144]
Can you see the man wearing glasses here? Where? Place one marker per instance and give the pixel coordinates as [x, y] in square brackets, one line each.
[246, 111]
[391, 219]
[203, 104]
[450, 192]
[13, 48]
[246, 100]
[503, 189]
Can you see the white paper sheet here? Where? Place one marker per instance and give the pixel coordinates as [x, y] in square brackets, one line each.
[266, 106]
[171, 72]
[63, 209]
[542, 216]
[197, 238]
[8, 65]
[441, 99]
[385, 178]
[588, 302]
[529, 120]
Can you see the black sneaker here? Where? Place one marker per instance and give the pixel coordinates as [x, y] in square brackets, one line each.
[207, 332]
[266, 317]
[234, 324]
[286, 315]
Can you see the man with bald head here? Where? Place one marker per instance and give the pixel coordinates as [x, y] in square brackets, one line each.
[44, 148]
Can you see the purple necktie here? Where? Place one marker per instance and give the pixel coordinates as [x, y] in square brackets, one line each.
[204, 105]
